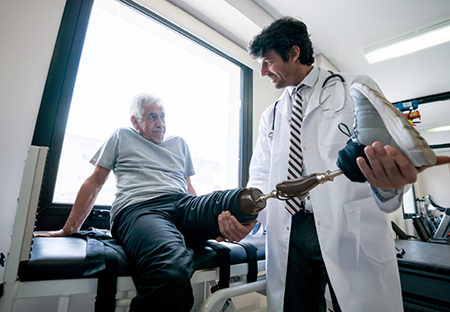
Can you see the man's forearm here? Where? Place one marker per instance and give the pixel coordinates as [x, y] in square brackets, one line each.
[82, 207]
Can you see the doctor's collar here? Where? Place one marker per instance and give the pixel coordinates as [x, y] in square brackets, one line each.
[310, 80]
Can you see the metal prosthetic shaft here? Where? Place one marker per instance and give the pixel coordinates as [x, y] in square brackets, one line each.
[299, 187]
[252, 200]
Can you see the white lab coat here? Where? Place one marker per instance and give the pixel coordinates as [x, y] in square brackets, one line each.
[355, 235]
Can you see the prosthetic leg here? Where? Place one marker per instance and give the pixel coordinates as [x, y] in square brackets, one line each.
[375, 119]
[298, 187]
[251, 200]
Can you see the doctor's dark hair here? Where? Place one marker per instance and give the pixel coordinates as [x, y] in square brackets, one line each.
[137, 107]
[281, 36]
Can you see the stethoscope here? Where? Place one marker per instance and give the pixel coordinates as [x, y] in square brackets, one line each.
[329, 82]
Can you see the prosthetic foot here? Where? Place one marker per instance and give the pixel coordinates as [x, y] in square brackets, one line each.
[376, 119]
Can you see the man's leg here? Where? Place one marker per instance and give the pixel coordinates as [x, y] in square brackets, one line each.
[306, 273]
[161, 264]
[197, 215]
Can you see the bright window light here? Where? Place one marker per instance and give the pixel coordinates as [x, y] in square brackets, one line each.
[126, 53]
[419, 40]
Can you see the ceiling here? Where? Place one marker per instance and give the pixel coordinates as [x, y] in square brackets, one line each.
[341, 30]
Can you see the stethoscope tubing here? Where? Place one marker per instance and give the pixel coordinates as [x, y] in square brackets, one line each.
[333, 75]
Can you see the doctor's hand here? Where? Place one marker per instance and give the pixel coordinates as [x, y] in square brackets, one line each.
[390, 168]
[231, 229]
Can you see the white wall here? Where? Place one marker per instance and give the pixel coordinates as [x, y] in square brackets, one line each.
[28, 31]
[435, 181]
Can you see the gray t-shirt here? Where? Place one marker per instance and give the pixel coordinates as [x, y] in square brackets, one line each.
[144, 170]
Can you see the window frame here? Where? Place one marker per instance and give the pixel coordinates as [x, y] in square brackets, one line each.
[56, 100]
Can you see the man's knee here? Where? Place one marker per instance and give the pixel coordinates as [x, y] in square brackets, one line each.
[172, 267]
[178, 279]
[168, 291]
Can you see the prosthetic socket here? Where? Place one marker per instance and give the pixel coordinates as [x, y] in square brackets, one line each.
[251, 200]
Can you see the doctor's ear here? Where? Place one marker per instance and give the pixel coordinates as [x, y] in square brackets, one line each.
[294, 53]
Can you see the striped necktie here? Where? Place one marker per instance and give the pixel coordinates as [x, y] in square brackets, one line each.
[295, 166]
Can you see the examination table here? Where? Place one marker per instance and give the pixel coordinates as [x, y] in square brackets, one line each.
[46, 267]
[425, 275]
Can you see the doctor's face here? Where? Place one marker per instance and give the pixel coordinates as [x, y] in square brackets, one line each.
[282, 74]
[153, 124]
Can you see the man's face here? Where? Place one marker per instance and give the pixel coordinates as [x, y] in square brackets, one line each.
[282, 74]
[153, 124]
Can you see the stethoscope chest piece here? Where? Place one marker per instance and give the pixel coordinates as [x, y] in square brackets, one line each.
[270, 135]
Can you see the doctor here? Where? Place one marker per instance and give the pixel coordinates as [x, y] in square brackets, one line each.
[342, 236]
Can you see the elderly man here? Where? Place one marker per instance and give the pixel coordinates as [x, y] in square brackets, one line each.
[155, 210]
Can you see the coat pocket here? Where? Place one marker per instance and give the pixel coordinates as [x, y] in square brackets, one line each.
[330, 139]
[372, 229]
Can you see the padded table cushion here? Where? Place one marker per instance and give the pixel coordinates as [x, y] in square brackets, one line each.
[425, 256]
[63, 258]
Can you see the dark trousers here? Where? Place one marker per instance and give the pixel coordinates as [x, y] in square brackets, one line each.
[154, 234]
[306, 273]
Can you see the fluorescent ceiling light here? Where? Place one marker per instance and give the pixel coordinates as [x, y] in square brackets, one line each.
[416, 41]
[439, 129]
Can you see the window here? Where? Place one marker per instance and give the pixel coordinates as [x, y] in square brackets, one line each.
[409, 203]
[127, 50]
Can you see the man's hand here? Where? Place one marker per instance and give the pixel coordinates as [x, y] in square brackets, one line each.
[231, 229]
[59, 233]
[390, 168]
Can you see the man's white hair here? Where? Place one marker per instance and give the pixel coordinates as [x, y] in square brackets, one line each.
[137, 107]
